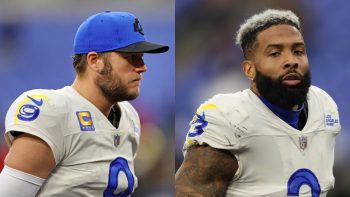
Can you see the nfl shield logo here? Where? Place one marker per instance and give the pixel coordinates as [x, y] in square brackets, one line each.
[303, 142]
[116, 140]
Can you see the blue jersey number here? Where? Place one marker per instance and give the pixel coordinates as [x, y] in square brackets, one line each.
[118, 165]
[303, 177]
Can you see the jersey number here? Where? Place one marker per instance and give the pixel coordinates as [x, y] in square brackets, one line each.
[303, 177]
[119, 164]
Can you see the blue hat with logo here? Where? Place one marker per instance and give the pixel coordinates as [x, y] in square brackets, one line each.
[113, 31]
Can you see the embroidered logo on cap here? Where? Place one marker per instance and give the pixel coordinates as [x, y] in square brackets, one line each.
[138, 27]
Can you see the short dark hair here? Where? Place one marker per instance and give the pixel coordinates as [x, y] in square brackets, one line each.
[247, 34]
[80, 61]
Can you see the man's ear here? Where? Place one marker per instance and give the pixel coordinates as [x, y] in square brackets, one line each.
[249, 69]
[94, 62]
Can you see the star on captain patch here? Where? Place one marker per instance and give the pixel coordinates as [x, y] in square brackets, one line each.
[303, 142]
[116, 140]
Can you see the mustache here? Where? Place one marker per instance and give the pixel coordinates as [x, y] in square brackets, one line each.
[137, 79]
[291, 74]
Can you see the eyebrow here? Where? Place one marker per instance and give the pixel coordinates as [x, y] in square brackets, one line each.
[280, 46]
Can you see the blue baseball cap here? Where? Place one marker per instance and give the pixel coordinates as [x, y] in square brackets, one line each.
[113, 31]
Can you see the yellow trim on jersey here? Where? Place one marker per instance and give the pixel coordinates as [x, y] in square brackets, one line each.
[26, 99]
[189, 141]
[201, 108]
[206, 106]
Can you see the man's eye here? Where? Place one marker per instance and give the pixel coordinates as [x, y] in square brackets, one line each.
[131, 57]
[134, 57]
[299, 52]
[275, 54]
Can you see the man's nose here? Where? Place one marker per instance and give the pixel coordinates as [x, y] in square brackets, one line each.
[291, 61]
[141, 68]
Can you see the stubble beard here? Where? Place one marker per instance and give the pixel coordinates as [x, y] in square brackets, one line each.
[282, 95]
[113, 89]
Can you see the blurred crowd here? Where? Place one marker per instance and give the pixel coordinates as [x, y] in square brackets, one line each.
[36, 45]
[208, 62]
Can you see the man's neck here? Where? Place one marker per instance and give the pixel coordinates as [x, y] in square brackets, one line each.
[92, 93]
[291, 117]
[254, 89]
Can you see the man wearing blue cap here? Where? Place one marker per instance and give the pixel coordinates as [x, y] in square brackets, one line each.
[81, 140]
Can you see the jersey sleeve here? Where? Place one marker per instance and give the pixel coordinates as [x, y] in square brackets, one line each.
[214, 124]
[39, 113]
[331, 114]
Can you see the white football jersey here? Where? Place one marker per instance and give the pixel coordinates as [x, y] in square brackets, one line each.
[93, 157]
[274, 158]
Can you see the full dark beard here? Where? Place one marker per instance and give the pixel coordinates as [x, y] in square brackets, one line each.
[113, 89]
[281, 95]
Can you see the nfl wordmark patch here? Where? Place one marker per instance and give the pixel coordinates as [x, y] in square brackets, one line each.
[85, 121]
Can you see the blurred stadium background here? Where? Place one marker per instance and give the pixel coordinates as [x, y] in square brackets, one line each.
[36, 39]
[208, 62]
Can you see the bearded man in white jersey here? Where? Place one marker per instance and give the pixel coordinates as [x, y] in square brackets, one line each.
[81, 140]
[276, 138]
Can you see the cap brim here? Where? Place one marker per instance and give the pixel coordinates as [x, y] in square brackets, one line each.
[144, 47]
